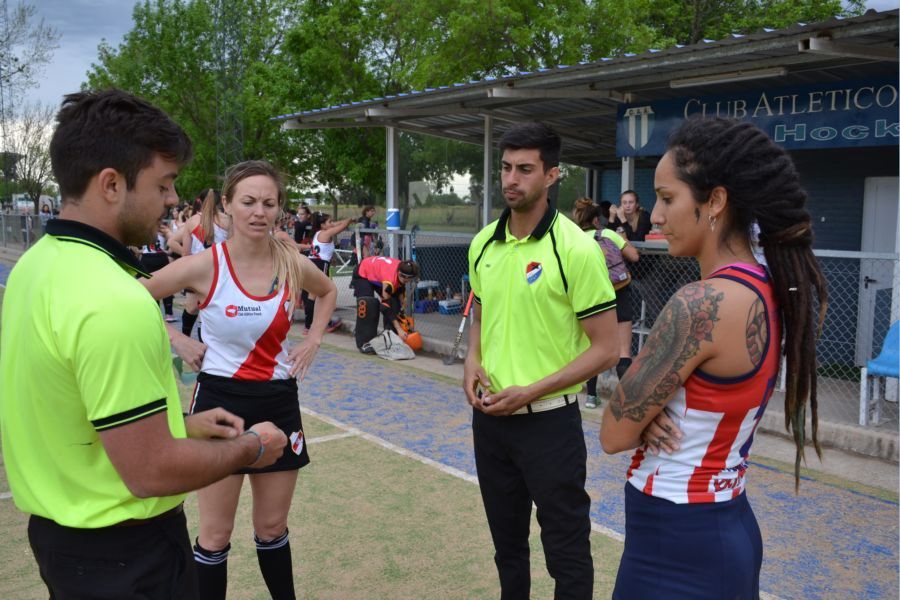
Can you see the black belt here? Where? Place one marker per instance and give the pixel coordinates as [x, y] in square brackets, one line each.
[169, 513]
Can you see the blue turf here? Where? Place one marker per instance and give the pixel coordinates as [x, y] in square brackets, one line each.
[827, 542]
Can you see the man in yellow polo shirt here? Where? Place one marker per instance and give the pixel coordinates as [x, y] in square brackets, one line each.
[94, 442]
[543, 324]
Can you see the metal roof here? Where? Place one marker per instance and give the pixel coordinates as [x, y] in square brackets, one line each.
[580, 101]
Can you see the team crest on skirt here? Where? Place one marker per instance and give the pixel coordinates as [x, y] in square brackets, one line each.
[297, 442]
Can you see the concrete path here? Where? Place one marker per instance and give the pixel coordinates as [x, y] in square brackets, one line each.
[838, 538]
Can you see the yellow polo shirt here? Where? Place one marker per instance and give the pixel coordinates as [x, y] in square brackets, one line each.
[83, 349]
[532, 294]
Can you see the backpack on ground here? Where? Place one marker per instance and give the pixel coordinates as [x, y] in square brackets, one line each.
[615, 262]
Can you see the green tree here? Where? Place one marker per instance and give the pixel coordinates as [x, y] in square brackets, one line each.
[170, 58]
[691, 21]
[30, 139]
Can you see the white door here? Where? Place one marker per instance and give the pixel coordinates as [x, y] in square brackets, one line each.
[878, 278]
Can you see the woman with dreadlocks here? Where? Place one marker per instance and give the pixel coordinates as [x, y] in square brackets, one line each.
[693, 397]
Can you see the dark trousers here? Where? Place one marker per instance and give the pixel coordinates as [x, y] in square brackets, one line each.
[147, 561]
[538, 458]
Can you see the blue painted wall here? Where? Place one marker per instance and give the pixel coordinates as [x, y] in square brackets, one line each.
[834, 180]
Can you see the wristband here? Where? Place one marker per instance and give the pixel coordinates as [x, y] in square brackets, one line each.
[262, 447]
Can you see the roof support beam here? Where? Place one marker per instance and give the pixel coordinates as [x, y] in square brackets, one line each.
[824, 45]
[297, 124]
[535, 94]
[401, 113]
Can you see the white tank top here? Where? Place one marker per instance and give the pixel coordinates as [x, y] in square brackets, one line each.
[245, 334]
[322, 250]
[197, 245]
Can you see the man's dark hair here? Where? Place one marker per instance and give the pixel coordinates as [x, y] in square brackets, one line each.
[111, 129]
[533, 135]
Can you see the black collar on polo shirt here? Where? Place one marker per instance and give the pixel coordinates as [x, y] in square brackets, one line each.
[539, 231]
[82, 233]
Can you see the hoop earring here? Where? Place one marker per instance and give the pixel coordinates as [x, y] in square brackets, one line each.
[712, 223]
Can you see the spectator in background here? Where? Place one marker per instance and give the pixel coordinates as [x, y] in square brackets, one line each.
[303, 229]
[366, 222]
[325, 230]
[386, 279]
[587, 217]
[629, 219]
[46, 214]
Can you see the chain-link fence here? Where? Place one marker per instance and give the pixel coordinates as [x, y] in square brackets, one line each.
[861, 290]
[20, 231]
[862, 306]
[437, 299]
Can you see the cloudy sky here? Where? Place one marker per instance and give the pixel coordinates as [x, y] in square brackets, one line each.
[83, 23]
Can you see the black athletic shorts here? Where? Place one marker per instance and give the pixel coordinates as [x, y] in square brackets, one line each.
[255, 402]
[624, 312]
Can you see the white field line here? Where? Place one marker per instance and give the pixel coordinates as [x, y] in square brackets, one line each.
[5, 495]
[432, 463]
[353, 431]
[328, 438]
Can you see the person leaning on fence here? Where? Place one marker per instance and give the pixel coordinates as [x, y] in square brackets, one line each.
[542, 324]
[617, 253]
[325, 230]
[250, 284]
[94, 442]
[695, 394]
[385, 278]
[366, 222]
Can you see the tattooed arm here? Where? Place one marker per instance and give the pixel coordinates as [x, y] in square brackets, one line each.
[679, 342]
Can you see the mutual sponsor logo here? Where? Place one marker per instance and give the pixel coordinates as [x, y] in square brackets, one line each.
[533, 272]
[235, 310]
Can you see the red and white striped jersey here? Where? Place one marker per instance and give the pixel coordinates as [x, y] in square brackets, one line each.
[220, 234]
[244, 334]
[718, 417]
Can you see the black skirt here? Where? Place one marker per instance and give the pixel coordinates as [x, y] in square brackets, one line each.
[255, 402]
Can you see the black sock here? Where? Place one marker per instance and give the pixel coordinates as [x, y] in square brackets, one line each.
[592, 386]
[274, 559]
[187, 322]
[623, 365]
[212, 572]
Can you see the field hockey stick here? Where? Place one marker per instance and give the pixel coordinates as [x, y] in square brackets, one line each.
[451, 358]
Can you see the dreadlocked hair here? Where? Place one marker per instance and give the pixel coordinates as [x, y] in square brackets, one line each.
[763, 187]
[285, 257]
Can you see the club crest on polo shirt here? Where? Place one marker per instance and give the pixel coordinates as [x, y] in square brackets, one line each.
[297, 442]
[533, 272]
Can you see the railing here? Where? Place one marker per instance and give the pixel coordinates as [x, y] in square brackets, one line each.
[862, 291]
[20, 231]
